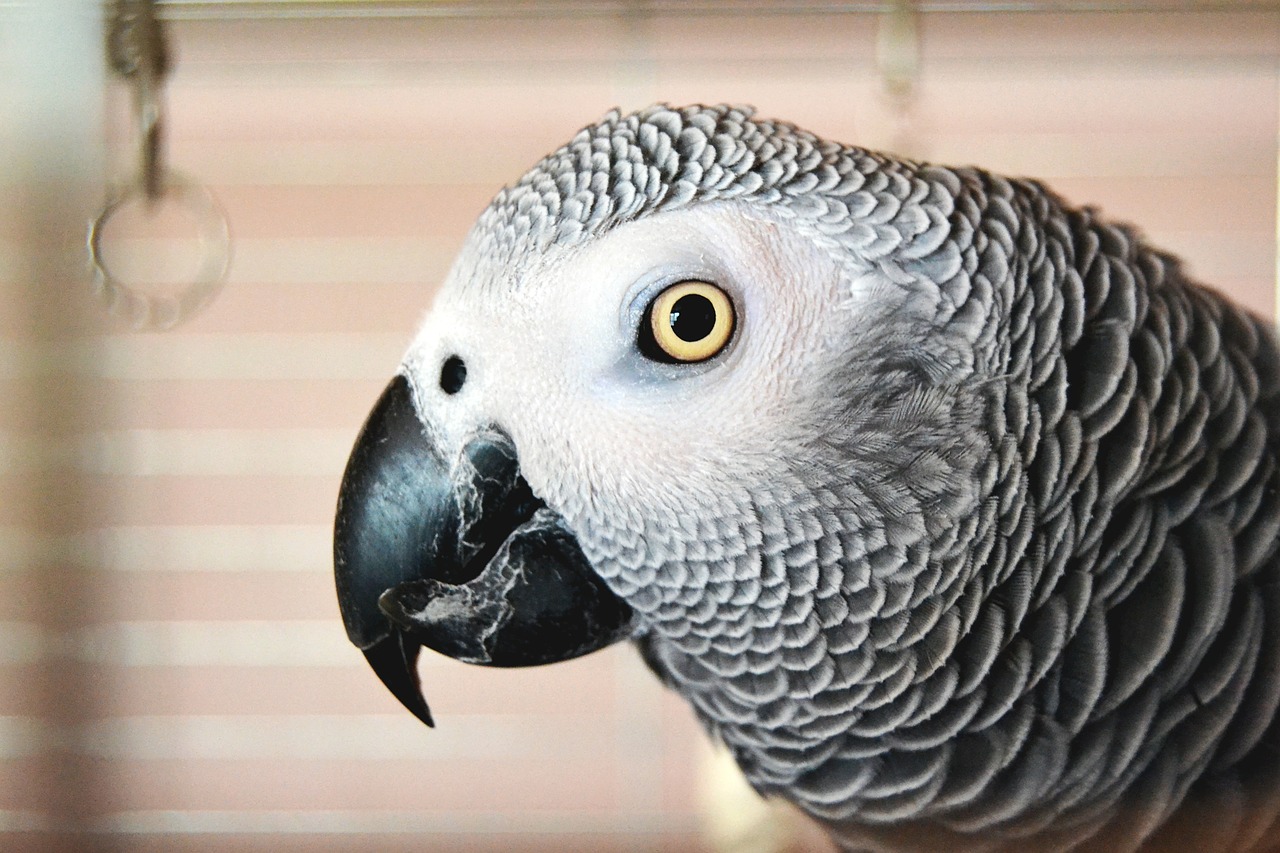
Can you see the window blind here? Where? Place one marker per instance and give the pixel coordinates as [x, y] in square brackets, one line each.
[214, 701]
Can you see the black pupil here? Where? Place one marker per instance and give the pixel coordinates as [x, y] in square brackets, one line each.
[453, 374]
[693, 317]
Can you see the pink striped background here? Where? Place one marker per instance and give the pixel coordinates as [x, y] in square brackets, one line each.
[351, 157]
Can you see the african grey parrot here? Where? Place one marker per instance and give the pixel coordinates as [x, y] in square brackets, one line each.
[951, 509]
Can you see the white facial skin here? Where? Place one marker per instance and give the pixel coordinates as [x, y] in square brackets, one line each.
[604, 433]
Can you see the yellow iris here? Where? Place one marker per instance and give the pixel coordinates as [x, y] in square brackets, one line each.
[691, 321]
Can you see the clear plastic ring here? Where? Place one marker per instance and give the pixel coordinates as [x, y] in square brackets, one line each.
[155, 311]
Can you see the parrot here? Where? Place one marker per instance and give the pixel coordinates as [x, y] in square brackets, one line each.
[950, 508]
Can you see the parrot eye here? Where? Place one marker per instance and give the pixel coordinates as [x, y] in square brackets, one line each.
[688, 322]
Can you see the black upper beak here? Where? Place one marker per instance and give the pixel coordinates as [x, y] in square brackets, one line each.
[457, 555]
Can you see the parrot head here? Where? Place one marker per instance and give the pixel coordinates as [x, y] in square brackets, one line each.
[891, 470]
[660, 397]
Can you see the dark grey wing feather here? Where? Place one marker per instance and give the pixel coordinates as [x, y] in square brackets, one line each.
[1126, 653]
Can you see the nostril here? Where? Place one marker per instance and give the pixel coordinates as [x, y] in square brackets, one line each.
[453, 375]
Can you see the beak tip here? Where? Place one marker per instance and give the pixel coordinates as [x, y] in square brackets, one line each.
[394, 660]
[423, 713]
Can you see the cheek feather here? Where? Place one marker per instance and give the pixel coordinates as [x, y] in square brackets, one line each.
[600, 426]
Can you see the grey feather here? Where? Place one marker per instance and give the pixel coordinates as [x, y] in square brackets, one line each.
[1020, 592]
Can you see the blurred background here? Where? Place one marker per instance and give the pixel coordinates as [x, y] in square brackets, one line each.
[173, 671]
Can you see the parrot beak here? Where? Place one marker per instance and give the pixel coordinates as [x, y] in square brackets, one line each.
[457, 555]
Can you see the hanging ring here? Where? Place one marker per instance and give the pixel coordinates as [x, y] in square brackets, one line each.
[157, 311]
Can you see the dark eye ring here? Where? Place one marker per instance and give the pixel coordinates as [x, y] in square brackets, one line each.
[688, 322]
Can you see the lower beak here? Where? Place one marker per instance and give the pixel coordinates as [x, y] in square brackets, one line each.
[457, 555]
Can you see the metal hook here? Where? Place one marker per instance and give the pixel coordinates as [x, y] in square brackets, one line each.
[138, 51]
[898, 59]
